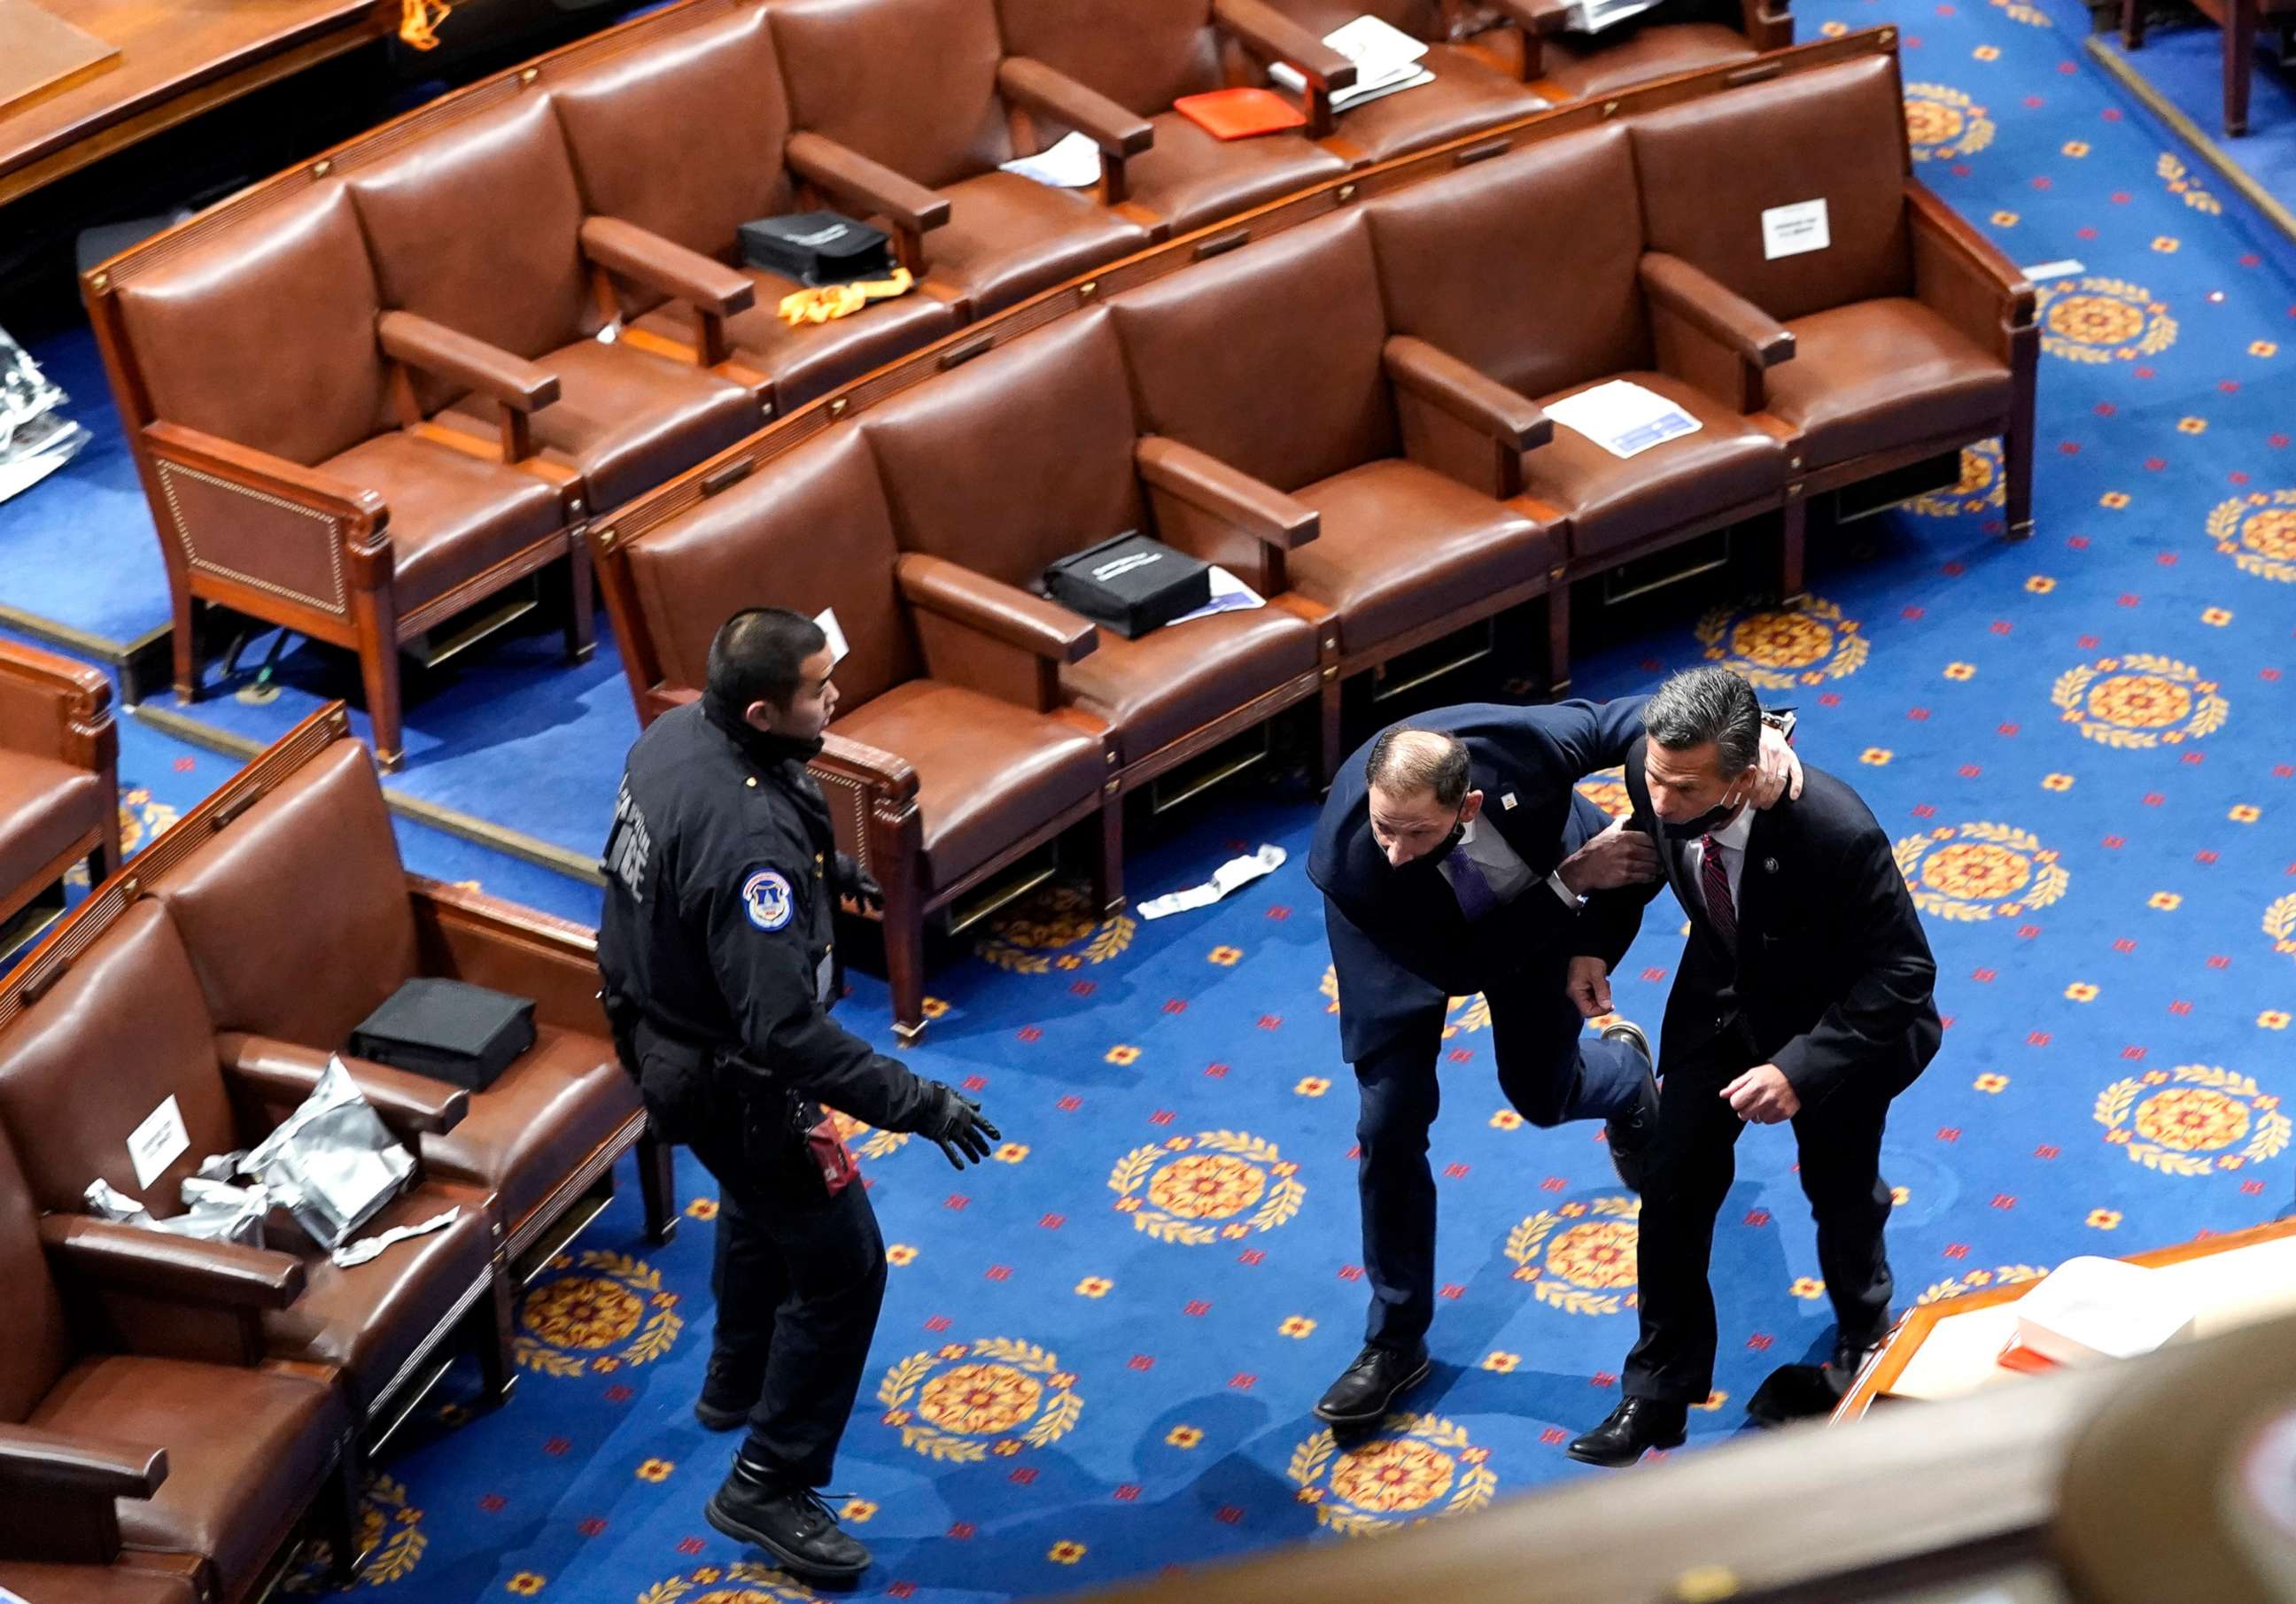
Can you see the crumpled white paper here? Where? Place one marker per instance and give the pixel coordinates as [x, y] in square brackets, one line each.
[1225, 879]
[358, 1253]
[213, 1212]
[333, 1162]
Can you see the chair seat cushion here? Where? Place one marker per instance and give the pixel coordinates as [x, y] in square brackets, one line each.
[1618, 503]
[1177, 679]
[369, 1320]
[1468, 96]
[988, 772]
[530, 1132]
[1191, 178]
[247, 1450]
[812, 359]
[45, 806]
[94, 1585]
[452, 516]
[1007, 237]
[1604, 64]
[627, 419]
[1882, 374]
[1402, 546]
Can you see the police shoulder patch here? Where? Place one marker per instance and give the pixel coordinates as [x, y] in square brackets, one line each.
[766, 897]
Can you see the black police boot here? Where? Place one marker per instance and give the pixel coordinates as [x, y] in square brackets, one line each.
[728, 1393]
[1635, 1425]
[788, 1521]
[1630, 1132]
[1851, 1350]
[1365, 1389]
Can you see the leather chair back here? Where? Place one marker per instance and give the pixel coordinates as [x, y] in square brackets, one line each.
[808, 530]
[1711, 168]
[476, 225]
[1143, 55]
[297, 917]
[909, 83]
[683, 136]
[264, 333]
[1017, 458]
[1268, 357]
[39, 1347]
[123, 1031]
[1523, 266]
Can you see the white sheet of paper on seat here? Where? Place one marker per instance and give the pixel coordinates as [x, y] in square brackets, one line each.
[1229, 594]
[1622, 417]
[1386, 59]
[1236, 872]
[2100, 1308]
[1074, 163]
[159, 1141]
[1593, 16]
[827, 620]
[2064, 268]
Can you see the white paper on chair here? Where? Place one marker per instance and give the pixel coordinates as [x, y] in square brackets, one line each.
[1622, 417]
[1386, 59]
[826, 619]
[1593, 16]
[1074, 163]
[1236, 872]
[1229, 594]
[2100, 1308]
[157, 1143]
[1795, 230]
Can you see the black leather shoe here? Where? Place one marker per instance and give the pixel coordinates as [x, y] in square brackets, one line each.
[1850, 1354]
[1366, 1388]
[1636, 1424]
[1630, 1132]
[791, 1523]
[728, 1394]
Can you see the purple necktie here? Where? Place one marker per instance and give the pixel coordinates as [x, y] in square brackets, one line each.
[1713, 880]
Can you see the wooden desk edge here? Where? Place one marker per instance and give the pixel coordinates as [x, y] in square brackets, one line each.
[1914, 1327]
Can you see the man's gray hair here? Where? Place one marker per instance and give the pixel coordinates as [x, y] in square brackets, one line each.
[1406, 761]
[1700, 705]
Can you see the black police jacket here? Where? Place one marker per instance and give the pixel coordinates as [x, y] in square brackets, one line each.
[720, 887]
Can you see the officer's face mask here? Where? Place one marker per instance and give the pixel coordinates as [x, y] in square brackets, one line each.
[1426, 859]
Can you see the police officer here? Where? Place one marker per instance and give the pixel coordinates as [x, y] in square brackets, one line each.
[715, 948]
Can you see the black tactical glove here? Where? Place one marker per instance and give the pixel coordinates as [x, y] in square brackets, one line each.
[954, 1122]
[858, 883]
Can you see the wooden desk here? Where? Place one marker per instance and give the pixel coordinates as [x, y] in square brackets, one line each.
[1947, 1348]
[175, 61]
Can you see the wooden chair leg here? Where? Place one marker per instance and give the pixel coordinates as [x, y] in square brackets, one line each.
[185, 640]
[2017, 473]
[1330, 702]
[582, 602]
[905, 964]
[658, 1186]
[1793, 530]
[340, 1519]
[2239, 63]
[378, 649]
[492, 1332]
[1558, 636]
[2132, 24]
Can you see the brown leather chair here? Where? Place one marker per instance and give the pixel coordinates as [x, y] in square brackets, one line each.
[1030, 452]
[951, 756]
[1277, 362]
[1912, 335]
[1144, 54]
[2239, 19]
[688, 137]
[301, 921]
[1482, 69]
[121, 1028]
[1676, 35]
[923, 87]
[94, 1585]
[134, 1417]
[1477, 266]
[290, 474]
[59, 777]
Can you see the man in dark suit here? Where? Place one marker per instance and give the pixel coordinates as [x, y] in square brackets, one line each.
[1804, 994]
[1453, 853]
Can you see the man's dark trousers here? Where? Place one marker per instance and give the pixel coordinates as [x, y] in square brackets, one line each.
[1691, 1163]
[1550, 1070]
[799, 1278]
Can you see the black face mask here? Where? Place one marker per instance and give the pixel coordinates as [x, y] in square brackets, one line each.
[1705, 823]
[1436, 853]
[763, 748]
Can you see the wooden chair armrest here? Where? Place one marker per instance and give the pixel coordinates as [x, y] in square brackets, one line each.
[458, 358]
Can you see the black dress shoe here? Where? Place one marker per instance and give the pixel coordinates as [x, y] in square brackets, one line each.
[728, 1394]
[789, 1522]
[1849, 1356]
[1365, 1389]
[1630, 1132]
[1636, 1424]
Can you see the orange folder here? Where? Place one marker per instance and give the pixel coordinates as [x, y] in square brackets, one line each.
[1240, 113]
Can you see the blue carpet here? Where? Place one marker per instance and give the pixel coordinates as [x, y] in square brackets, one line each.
[2081, 746]
[2186, 63]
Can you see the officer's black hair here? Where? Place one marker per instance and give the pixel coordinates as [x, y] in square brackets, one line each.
[1441, 768]
[759, 655]
[1712, 703]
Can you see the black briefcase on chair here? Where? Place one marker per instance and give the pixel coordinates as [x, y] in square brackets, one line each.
[447, 1030]
[816, 248]
[1130, 583]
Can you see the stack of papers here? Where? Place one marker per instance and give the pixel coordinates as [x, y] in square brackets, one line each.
[1074, 163]
[2100, 1308]
[1622, 417]
[1386, 59]
[1229, 594]
[1593, 16]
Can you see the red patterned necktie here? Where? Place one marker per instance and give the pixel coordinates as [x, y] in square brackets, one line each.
[1713, 880]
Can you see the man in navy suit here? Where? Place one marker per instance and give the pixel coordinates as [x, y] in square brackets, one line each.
[1804, 994]
[1453, 853]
